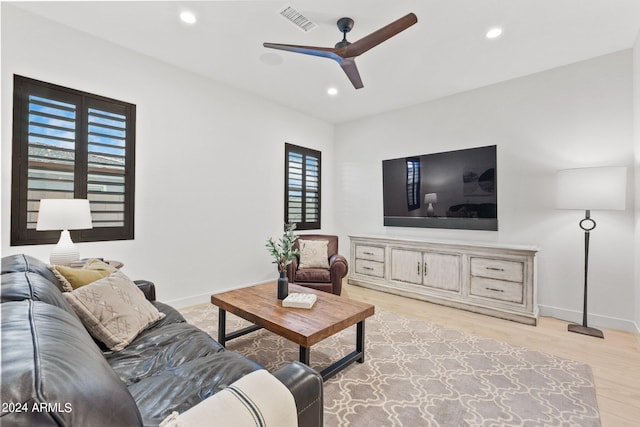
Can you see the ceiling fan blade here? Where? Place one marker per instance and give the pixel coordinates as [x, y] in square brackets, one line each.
[350, 69]
[378, 36]
[325, 52]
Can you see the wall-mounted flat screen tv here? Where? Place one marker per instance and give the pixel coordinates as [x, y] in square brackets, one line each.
[454, 189]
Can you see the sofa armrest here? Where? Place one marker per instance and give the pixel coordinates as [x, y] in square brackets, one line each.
[339, 267]
[148, 288]
[305, 384]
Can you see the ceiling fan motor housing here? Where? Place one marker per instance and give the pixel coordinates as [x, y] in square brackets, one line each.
[344, 25]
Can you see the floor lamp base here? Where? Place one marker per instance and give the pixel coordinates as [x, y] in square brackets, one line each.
[585, 330]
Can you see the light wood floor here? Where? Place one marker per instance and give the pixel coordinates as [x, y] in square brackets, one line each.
[615, 361]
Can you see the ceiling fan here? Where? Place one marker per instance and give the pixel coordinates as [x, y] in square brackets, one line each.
[344, 52]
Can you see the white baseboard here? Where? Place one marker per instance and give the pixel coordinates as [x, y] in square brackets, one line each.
[201, 298]
[595, 320]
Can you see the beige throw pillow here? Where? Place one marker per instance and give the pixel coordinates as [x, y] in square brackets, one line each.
[113, 310]
[72, 278]
[314, 253]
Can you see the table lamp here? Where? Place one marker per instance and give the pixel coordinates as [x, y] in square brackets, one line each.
[65, 215]
[430, 198]
[599, 188]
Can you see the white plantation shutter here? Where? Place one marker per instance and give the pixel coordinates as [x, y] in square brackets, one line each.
[71, 144]
[302, 187]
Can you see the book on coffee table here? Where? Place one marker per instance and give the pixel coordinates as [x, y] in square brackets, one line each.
[297, 300]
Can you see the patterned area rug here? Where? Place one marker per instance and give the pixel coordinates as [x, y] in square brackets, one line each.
[421, 374]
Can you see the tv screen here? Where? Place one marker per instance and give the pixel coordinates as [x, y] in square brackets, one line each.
[453, 189]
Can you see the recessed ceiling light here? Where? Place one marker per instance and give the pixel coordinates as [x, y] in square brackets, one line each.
[188, 17]
[494, 33]
[332, 91]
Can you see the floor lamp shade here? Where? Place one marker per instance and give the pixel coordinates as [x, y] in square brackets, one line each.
[602, 188]
[64, 215]
[592, 188]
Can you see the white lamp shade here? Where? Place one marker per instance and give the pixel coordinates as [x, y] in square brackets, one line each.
[64, 214]
[431, 198]
[592, 188]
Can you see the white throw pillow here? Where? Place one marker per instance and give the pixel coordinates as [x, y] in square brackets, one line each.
[314, 253]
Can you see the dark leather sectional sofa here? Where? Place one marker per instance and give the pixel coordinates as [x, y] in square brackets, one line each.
[54, 373]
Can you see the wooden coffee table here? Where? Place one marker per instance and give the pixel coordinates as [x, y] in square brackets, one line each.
[329, 315]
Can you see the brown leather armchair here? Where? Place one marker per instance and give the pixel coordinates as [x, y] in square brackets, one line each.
[328, 280]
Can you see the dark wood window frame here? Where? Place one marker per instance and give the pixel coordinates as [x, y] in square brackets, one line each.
[302, 187]
[83, 167]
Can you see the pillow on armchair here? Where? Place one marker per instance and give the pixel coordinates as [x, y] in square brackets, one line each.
[314, 254]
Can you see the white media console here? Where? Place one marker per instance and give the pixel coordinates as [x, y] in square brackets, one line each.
[489, 278]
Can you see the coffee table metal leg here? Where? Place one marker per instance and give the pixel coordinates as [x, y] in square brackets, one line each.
[354, 356]
[360, 341]
[305, 352]
[222, 326]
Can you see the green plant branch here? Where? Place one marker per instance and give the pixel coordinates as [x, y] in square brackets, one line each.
[282, 250]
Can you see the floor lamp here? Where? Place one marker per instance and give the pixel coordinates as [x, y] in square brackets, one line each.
[602, 188]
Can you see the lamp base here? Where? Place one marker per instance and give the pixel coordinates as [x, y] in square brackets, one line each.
[585, 330]
[65, 252]
[430, 211]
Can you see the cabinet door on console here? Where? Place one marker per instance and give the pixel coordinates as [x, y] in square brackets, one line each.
[441, 271]
[406, 266]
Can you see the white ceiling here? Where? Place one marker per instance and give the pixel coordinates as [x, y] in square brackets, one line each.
[444, 53]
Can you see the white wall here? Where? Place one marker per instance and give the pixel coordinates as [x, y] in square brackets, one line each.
[209, 160]
[577, 115]
[636, 115]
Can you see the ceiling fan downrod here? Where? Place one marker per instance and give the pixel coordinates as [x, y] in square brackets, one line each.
[344, 25]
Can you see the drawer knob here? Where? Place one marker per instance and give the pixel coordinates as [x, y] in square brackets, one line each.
[495, 268]
[368, 253]
[495, 290]
[367, 268]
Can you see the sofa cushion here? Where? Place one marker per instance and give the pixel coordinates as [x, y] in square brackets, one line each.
[186, 385]
[313, 254]
[51, 365]
[27, 285]
[23, 263]
[72, 278]
[313, 275]
[113, 309]
[164, 345]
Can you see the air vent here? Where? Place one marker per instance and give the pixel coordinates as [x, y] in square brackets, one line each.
[297, 19]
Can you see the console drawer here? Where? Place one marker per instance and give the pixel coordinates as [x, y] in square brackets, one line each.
[512, 271]
[370, 268]
[373, 253]
[497, 289]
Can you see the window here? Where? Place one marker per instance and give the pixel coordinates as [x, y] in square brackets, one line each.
[413, 183]
[302, 187]
[71, 144]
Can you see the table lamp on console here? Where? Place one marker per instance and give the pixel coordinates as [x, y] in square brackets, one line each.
[595, 188]
[65, 215]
